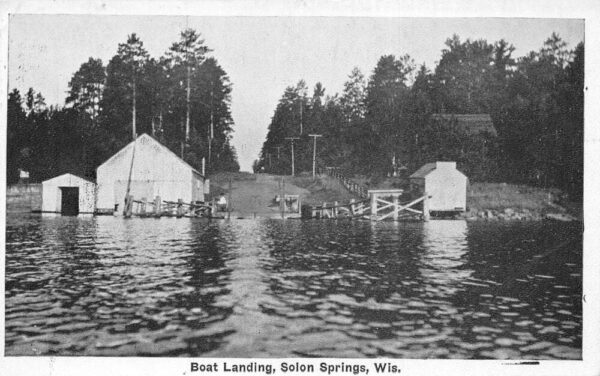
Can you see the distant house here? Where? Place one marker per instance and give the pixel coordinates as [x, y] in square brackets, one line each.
[69, 195]
[153, 170]
[472, 124]
[23, 177]
[444, 183]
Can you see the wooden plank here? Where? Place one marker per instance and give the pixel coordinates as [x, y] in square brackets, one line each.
[400, 208]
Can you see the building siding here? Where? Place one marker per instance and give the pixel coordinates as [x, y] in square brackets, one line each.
[156, 172]
[52, 195]
[444, 183]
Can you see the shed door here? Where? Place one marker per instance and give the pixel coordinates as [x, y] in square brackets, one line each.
[70, 200]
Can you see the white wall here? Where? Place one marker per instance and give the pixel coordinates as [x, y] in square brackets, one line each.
[156, 172]
[448, 188]
[52, 197]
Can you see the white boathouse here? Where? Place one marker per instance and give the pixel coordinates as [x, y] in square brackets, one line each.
[151, 170]
[446, 186]
[69, 195]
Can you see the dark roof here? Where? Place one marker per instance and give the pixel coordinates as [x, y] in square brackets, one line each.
[423, 171]
[473, 124]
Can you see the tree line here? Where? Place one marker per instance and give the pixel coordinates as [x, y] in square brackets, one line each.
[391, 118]
[182, 98]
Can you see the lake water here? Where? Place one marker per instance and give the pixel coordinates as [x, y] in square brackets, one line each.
[273, 288]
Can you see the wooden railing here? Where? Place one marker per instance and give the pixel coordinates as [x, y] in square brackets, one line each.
[160, 208]
[350, 185]
[382, 204]
[385, 203]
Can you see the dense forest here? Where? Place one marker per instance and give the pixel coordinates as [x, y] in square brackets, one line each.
[391, 119]
[182, 99]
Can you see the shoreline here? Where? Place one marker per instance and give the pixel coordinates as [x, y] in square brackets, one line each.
[485, 201]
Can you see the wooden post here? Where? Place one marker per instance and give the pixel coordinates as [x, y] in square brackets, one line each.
[128, 206]
[143, 207]
[335, 209]
[179, 208]
[157, 206]
[352, 207]
[395, 207]
[324, 211]
[426, 207]
[373, 206]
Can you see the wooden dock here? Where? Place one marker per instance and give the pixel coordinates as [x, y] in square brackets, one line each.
[380, 205]
[160, 208]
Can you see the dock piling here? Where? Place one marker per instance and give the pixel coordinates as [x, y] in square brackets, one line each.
[373, 206]
[179, 208]
[426, 207]
[157, 207]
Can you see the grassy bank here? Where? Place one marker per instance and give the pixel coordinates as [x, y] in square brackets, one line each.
[501, 196]
[322, 189]
[502, 200]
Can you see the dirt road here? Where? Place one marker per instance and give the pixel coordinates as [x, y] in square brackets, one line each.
[255, 194]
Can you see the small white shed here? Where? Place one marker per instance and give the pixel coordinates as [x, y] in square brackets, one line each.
[150, 169]
[69, 195]
[444, 183]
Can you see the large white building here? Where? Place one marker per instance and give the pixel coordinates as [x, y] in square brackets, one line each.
[69, 195]
[155, 171]
[444, 183]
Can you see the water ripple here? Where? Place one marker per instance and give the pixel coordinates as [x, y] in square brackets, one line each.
[191, 287]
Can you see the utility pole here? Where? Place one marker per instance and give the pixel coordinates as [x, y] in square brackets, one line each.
[314, 136]
[187, 105]
[212, 134]
[133, 130]
[301, 106]
[278, 150]
[292, 141]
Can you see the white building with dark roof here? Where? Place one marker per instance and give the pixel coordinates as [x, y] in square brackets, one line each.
[444, 183]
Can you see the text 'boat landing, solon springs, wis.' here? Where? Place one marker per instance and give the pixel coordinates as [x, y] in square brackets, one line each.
[329, 368]
[188, 197]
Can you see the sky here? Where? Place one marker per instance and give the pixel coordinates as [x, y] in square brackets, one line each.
[262, 55]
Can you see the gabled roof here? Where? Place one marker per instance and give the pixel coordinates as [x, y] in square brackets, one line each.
[472, 124]
[70, 175]
[423, 171]
[151, 139]
[442, 166]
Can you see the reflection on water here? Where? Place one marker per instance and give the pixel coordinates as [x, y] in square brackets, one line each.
[271, 288]
[442, 261]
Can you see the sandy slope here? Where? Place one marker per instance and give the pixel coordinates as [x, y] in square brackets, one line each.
[256, 196]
